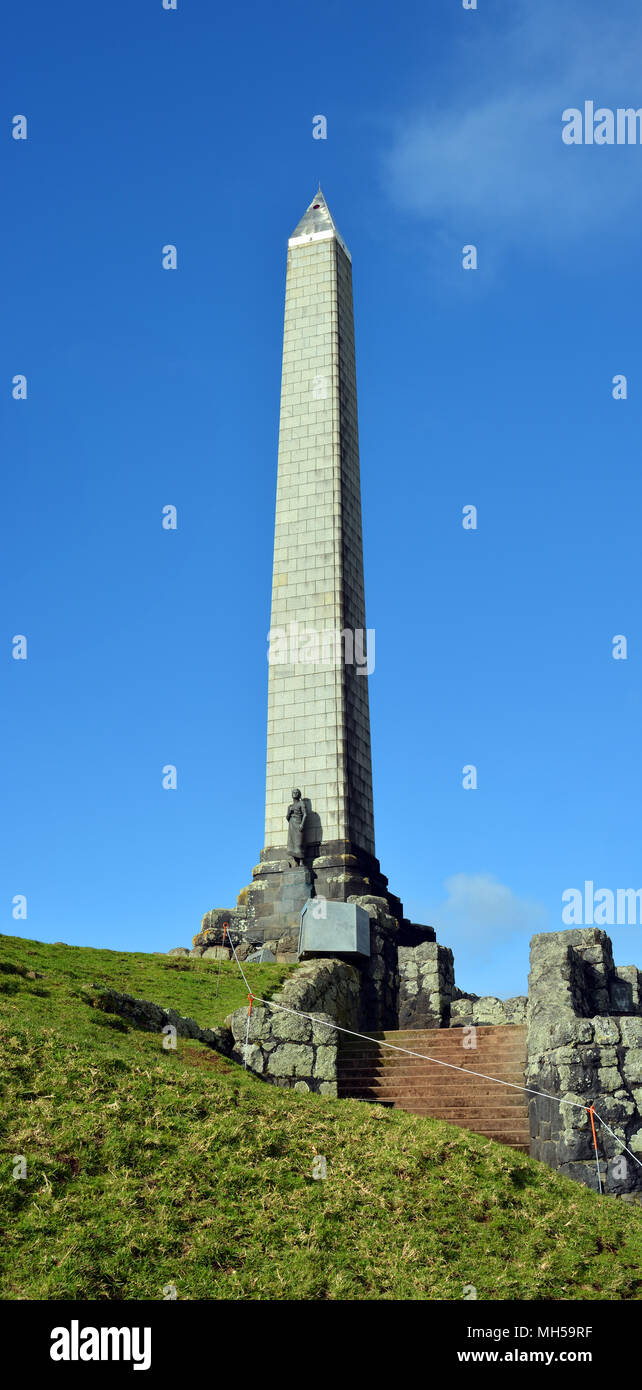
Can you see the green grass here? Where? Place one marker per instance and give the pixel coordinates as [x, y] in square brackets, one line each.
[147, 1168]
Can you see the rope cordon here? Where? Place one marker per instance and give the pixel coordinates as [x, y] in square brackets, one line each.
[467, 1071]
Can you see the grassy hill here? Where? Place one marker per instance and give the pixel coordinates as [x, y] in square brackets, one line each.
[147, 1168]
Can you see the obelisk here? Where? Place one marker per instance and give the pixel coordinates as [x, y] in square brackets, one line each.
[318, 732]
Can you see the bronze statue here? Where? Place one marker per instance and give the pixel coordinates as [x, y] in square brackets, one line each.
[296, 817]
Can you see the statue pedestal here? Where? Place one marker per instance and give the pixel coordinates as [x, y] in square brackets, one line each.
[271, 905]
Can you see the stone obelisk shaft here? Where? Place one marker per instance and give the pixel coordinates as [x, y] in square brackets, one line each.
[318, 720]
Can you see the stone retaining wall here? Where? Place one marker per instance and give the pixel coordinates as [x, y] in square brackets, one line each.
[426, 985]
[584, 1036]
[470, 1009]
[585, 1047]
[429, 997]
[153, 1018]
[295, 1052]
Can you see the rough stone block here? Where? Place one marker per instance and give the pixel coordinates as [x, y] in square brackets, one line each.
[290, 1059]
[325, 1065]
[252, 1057]
[605, 1031]
[260, 1024]
[290, 1028]
[328, 1088]
[632, 1065]
[631, 1030]
[321, 1033]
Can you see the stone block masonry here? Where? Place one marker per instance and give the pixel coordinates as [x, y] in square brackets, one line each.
[585, 1046]
[429, 997]
[318, 720]
[294, 1052]
[290, 1051]
[584, 1040]
[318, 726]
[153, 1018]
[426, 985]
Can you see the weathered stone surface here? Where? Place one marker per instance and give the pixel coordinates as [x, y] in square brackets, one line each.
[631, 1030]
[632, 1065]
[490, 1011]
[577, 1051]
[289, 1043]
[605, 1031]
[325, 1063]
[290, 1028]
[143, 1013]
[217, 953]
[635, 1141]
[323, 1032]
[253, 1057]
[260, 1024]
[426, 985]
[178, 951]
[290, 1060]
[608, 1079]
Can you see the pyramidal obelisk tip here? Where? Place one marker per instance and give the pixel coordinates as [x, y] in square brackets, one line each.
[317, 221]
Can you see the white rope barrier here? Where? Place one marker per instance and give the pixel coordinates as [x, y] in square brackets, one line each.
[396, 1047]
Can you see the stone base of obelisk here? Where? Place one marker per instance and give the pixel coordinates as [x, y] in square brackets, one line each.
[269, 909]
[271, 905]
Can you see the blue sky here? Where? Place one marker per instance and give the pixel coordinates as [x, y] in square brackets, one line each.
[492, 387]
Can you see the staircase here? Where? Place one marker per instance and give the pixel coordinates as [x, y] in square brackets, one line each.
[368, 1071]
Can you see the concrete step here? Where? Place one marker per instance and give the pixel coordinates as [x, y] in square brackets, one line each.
[430, 1067]
[402, 1036]
[502, 1078]
[462, 1113]
[445, 1054]
[459, 1098]
[385, 1057]
[419, 1084]
[440, 1075]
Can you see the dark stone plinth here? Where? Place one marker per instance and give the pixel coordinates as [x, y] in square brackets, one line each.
[273, 901]
[269, 908]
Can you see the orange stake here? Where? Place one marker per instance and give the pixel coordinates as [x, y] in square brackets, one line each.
[590, 1110]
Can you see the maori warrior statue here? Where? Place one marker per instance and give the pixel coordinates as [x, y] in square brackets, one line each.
[296, 816]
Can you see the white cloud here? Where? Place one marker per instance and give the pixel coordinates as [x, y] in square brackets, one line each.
[482, 910]
[488, 928]
[484, 158]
